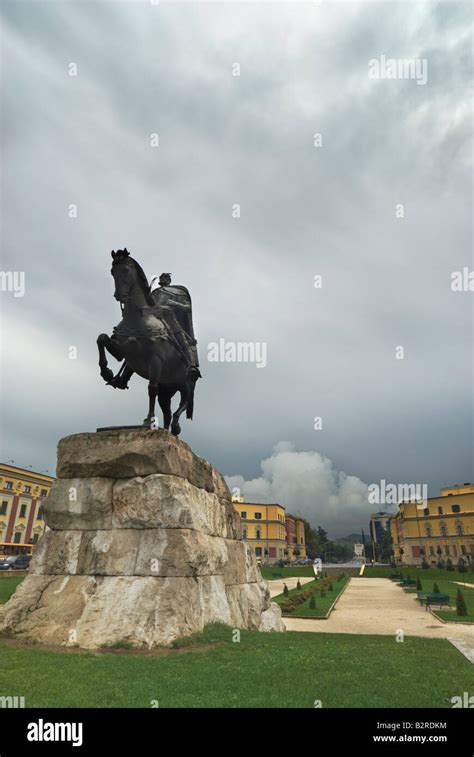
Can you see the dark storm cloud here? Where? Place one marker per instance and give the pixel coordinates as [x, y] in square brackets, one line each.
[304, 211]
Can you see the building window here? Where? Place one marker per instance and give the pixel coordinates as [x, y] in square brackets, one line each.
[443, 529]
[428, 530]
[3, 508]
[456, 509]
[40, 514]
[446, 550]
[258, 516]
[440, 510]
[459, 528]
[44, 492]
[258, 533]
[463, 549]
[432, 551]
[426, 511]
[8, 485]
[17, 537]
[244, 533]
[34, 539]
[27, 489]
[258, 551]
[22, 511]
[244, 516]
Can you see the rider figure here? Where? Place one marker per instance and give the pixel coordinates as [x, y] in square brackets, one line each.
[175, 310]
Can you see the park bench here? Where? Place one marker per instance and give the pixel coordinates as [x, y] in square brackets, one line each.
[395, 576]
[408, 582]
[442, 600]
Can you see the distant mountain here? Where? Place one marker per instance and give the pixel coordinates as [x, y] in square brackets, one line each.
[354, 538]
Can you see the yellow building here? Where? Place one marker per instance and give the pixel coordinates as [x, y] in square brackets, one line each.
[268, 529]
[21, 518]
[442, 528]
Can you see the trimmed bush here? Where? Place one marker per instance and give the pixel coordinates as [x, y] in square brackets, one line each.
[436, 589]
[285, 590]
[461, 566]
[461, 608]
[312, 602]
[419, 586]
[449, 564]
[424, 564]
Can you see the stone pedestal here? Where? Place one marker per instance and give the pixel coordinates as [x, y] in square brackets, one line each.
[143, 544]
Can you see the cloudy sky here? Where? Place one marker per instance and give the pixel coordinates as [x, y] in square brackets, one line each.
[380, 209]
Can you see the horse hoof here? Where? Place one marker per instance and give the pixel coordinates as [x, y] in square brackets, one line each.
[176, 429]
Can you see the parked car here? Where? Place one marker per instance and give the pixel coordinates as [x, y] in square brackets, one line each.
[15, 562]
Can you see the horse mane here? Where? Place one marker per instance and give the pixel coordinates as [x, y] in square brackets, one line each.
[123, 256]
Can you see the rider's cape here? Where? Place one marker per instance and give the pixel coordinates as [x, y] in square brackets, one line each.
[183, 315]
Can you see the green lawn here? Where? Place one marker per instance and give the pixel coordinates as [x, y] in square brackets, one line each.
[322, 603]
[8, 586]
[433, 574]
[450, 588]
[262, 670]
[293, 572]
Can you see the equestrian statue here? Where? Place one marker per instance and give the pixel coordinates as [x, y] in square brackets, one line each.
[155, 339]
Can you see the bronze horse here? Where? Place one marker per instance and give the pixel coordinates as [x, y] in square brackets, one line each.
[143, 338]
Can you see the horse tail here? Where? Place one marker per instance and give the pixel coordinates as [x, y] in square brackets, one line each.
[190, 405]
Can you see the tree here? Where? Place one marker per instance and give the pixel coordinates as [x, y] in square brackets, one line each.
[461, 608]
[298, 585]
[419, 586]
[436, 589]
[424, 563]
[449, 564]
[461, 566]
[312, 602]
[285, 590]
[385, 546]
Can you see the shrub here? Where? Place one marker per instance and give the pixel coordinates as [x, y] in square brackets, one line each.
[436, 589]
[330, 587]
[419, 586]
[461, 566]
[312, 602]
[461, 608]
[285, 590]
[298, 585]
[424, 563]
[440, 564]
[449, 564]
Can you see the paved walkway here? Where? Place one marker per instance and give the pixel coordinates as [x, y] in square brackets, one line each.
[276, 587]
[379, 606]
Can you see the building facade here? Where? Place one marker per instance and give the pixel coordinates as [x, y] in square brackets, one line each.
[379, 523]
[272, 533]
[439, 529]
[21, 494]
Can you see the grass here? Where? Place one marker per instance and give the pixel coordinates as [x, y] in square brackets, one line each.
[8, 586]
[322, 603]
[267, 571]
[450, 588]
[262, 670]
[432, 574]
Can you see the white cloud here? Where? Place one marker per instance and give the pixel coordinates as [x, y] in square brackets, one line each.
[308, 484]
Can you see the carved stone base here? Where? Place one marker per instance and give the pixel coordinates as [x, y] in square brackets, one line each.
[143, 545]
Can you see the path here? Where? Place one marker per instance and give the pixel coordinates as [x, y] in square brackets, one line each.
[379, 606]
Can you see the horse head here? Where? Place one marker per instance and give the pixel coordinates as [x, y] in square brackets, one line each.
[130, 279]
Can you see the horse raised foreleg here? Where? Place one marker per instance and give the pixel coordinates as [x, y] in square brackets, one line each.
[104, 342]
